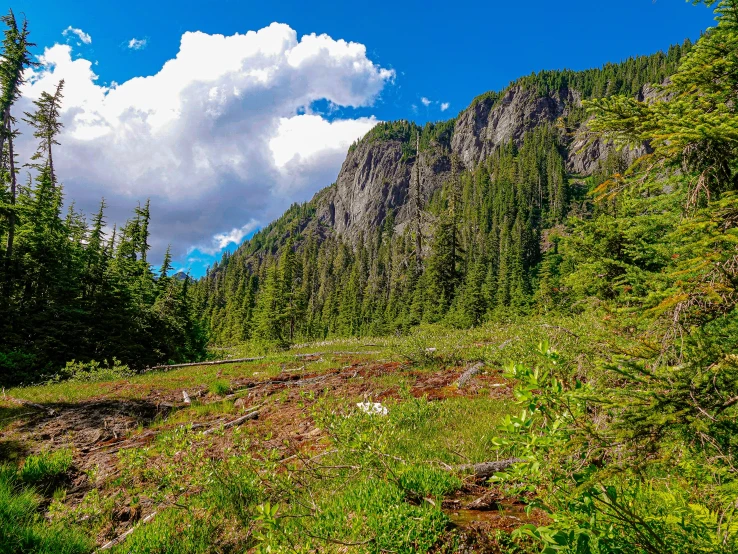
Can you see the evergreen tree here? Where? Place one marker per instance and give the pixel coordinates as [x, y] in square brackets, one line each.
[16, 57]
[47, 126]
[270, 309]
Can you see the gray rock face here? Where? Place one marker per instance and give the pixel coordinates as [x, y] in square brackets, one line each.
[484, 126]
[375, 179]
[585, 153]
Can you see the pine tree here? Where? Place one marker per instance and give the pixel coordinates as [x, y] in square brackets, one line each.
[289, 277]
[47, 126]
[270, 309]
[166, 265]
[16, 57]
[471, 306]
[443, 273]
[693, 131]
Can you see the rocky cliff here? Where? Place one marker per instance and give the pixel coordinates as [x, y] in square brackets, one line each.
[376, 177]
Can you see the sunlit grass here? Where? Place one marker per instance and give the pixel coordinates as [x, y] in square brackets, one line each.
[378, 471]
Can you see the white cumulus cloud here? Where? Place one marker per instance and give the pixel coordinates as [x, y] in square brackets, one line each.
[234, 236]
[445, 106]
[137, 43]
[222, 138]
[425, 101]
[79, 33]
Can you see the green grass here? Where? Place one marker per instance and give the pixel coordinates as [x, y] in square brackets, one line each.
[219, 387]
[378, 483]
[457, 430]
[46, 467]
[379, 488]
[24, 530]
[376, 513]
[12, 413]
[173, 531]
[140, 386]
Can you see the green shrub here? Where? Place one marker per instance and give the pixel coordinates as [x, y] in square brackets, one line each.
[15, 367]
[220, 388]
[630, 467]
[93, 372]
[46, 467]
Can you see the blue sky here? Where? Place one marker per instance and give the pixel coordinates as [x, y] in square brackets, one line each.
[446, 53]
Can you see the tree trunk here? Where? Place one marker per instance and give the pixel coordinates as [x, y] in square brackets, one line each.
[6, 126]
[193, 364]
[11, 217]
[51, 169]
[485, 470]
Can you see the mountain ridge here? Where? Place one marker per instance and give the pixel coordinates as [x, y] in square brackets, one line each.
[375, 177]
[375, 253]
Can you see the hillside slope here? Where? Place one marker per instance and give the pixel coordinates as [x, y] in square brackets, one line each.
[520, 156]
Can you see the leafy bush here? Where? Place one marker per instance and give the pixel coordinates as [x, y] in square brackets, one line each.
[220, 388]
[15, 366]
[634, 463]
[93, 372]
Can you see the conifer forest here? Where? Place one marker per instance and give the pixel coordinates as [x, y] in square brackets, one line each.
[513, 331]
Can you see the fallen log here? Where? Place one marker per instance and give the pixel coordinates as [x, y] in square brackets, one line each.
[505, 344]
[194, 364]
[485, 470]
[468, 374]
[336, 353]
[121, 538]
[239, 421]
[301, 368]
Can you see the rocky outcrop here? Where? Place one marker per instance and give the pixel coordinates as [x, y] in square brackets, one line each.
[375, 177]
[487, 124]
[375, 180]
